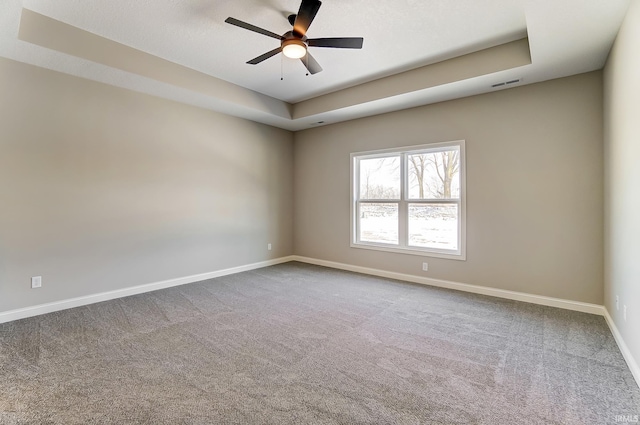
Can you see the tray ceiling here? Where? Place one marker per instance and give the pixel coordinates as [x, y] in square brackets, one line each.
[415, 51]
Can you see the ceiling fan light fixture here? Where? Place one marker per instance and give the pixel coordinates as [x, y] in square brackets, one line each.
[294, 48]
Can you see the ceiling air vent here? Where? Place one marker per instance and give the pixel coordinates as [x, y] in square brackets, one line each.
[506, 83]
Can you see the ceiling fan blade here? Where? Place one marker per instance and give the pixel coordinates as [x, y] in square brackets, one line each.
[308, 11]
[340, 43]
[265, 56]
[311, 64]
[241, 24]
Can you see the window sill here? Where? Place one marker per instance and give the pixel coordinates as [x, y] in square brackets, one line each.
[422, 253]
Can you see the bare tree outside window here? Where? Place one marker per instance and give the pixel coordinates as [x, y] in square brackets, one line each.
[380, 178]
[435, 175]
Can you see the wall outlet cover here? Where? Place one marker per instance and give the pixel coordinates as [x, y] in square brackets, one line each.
[36, 282]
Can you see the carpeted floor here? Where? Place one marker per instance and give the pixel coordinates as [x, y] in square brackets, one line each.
[300, 344]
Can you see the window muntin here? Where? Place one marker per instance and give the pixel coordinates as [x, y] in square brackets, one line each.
[410, 200]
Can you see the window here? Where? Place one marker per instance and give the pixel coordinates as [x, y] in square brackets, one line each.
[410, 200]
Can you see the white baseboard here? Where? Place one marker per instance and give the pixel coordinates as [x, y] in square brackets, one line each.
[626, 353]
[22, 313]
[484, 290]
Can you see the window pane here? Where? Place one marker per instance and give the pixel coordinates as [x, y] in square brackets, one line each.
[433, 226]
[434, 175]
[380, 178]
[379, 223]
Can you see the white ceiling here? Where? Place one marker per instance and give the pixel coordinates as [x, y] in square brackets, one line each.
[566, 37]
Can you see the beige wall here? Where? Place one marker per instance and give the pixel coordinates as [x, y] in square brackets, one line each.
[622, 179]
[534, 187]
[103, 188]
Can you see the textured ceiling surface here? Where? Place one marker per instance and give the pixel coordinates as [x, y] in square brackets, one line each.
[565, 36]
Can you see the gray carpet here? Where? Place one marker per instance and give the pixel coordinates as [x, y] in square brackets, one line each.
[302, 344]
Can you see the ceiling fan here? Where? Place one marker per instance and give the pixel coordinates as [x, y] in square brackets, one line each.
[294, 44]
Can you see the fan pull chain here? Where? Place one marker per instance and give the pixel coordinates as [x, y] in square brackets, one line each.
[281, 67]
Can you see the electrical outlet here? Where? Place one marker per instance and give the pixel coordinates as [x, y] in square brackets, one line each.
[269, 246]
[617, 302]
[425, 267]
[624, 312]
[36, 282]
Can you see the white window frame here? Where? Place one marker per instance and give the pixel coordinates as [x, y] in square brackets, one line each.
[404, 201]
